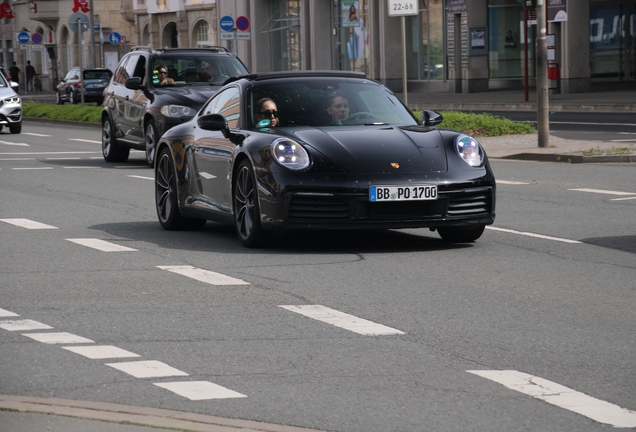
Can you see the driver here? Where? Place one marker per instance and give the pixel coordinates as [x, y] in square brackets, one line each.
[338, 109]
[266, 109]
[208, 72]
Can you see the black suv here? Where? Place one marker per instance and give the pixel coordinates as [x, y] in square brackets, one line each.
[140, 104]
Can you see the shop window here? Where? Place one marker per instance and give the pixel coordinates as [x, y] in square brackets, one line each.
[426, 43]
[506, 34]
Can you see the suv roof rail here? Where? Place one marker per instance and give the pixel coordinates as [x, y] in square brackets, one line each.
[141, 48]
[206, 48]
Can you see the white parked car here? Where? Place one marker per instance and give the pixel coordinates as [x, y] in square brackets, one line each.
[11, 106]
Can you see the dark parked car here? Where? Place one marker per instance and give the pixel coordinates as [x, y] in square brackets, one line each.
[95, 81]
[297, 168]
[141, 102]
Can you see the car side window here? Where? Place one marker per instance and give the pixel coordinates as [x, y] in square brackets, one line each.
[227, 103]
[120, 73]
[130, 67]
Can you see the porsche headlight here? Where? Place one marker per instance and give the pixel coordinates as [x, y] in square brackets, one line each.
[290, 154]
[469, 150]
[177, 111]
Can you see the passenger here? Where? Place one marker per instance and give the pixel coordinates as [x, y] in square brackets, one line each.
[208, 72]
[266, 109]
[338, 109]
[162, 75]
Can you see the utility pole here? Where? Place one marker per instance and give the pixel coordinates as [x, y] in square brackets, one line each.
[91, 23]
[543, 100]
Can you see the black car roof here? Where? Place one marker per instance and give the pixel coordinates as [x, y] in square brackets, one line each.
[298, 74]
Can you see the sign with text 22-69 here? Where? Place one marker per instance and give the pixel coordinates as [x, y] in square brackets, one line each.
[402, 7]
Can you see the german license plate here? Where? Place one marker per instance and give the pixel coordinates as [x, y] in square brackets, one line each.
[402, 193]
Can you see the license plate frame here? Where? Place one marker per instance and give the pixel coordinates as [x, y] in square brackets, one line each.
[390, 193]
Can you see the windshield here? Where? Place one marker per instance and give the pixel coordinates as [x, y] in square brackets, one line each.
[313, 101]
[195, 70]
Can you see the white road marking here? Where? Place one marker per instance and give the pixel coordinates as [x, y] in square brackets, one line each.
[141, 177]
[23, 325]
[80, 167]
[63, 158]
[342, 320]
[27, 223]
[48, 153]
[35, 134]
[28, 169]
[101, 351]
[511, 182]
[624, 140]
[131, 167]
[17, 159]
[58, 338]
[6, 313]
[200, 390]
[205, 276]
[101, 245]
[623, 199]
[563, 397]
[15, 144]
[85, 140]
[601, 191]
[206, 176]
[533, 235]
[147, 369]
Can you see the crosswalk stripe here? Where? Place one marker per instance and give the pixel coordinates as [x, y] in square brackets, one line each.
[27, 223]
[342, 320]
[561, 396]
[200, 390]
[202, 275]
[147, 369]
[101, 245]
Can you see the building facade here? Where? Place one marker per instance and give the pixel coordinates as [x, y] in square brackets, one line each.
[446, 45]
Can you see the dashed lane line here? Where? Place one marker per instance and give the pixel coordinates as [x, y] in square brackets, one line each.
[6, 313]
[509, 182]
[101, 352]
[529, 234]
[101, 245]
[27, 223]
[23, 325]
[14, 144]
[58, 338]
[35, 134]
[343, 320]
[202, 275]
[561, 396]
[200, 390]
[141, 177]
[601, 191]
[147, 369]
[85, 140]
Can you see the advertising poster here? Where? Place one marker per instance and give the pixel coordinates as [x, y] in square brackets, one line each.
[350, 13]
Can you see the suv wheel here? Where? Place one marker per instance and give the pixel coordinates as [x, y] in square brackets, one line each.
[151, 142]
[58, 98]
[110, 148]
[15, 128]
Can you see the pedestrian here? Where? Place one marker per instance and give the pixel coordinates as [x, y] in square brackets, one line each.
[30, 74]
[14, 71]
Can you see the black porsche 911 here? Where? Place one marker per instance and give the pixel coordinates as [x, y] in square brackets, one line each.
[272, 152]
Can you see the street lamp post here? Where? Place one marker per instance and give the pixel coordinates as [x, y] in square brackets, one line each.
[543, 101]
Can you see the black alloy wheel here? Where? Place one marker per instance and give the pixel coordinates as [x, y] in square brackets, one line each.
[166, 196]
[110, 148]
[247, 215]
[151, 142]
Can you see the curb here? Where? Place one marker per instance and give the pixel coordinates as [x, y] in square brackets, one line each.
[140, 416]
[521, 106]
[63, 122]
[568, 158]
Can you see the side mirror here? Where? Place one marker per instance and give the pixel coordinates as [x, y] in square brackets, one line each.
[134, 83]
[214, 122]
[431, 118]
[15, 85]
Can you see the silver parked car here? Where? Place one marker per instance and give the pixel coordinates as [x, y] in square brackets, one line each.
[10, 106]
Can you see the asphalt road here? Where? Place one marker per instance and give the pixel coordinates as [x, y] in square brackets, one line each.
[435, 337]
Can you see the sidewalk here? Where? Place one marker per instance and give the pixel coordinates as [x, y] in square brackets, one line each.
[619, 97]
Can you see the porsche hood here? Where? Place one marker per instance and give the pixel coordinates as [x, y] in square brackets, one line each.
[379, 150]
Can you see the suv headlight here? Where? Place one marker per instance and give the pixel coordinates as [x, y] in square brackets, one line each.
[469, 150]
[13, 100]
[290, 154]
[177, 111]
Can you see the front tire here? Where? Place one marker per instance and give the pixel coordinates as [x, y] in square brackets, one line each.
[15, 128]
[461, 234]
[58, 98]
[166, 199]
[247, 214]
[151, 142]
[110, 148]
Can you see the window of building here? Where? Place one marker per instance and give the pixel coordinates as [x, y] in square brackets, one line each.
[202, 34]
[425, 42]
[353, 35]
[506, 40]
[284, 30]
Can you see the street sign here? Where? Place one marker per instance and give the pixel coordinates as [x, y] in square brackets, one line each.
[227, 35]
[243, 23]
[114, 38]
[402, 7]
[73, 22]
[37, 38]
[243, 36]
[24, 37]
[227, 23]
